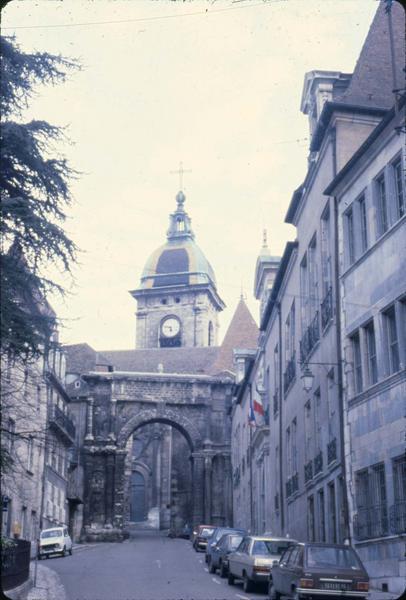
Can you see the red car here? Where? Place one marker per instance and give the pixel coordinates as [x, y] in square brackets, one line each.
[200, 536]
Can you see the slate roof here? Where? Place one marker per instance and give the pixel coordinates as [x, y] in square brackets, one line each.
[372, 82]
[173, 360]
[242, 333]
[213, 360]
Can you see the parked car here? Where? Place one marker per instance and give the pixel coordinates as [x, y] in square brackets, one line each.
[228, 543]
[214, 538]
[315, 570]
[201, 534]
[254, 558]
[55, 540]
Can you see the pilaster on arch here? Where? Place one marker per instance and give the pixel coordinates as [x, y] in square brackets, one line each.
[167, 416]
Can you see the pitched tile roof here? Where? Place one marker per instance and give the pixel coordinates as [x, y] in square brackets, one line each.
[82, 358]
[241, 333]
[372, 80]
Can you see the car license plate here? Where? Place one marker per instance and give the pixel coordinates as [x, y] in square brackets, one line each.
[336, 586]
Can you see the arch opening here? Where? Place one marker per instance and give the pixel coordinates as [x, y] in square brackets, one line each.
[158, 482]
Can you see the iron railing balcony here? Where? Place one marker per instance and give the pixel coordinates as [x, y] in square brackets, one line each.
[290, 372]
[318, 463]
[326, 308]
[62, 423]
[332, 451]
[308, 471]
[310, 338]
[397, 517]
[371, 522]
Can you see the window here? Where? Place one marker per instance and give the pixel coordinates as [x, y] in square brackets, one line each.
[310, 519]
[332, 513]
[372, 512]
[290, 333]
[350, 235]
[211, 334]
[30, 453]
[294, 446]
[371, 353]
[304, 293]
[313, 279]
[325, 251]
[322, 518]
[317, 420]
[11, 428]
[399, 188]
[382, 205]
[288, 453]
[308, 431]
[356, 353]
[391, 340]
[363, 223]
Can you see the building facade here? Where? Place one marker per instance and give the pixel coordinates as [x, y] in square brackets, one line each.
[330, 359]
[370, 193]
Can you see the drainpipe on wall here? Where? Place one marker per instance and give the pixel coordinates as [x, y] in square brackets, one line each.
[341, 402]
[281, 505]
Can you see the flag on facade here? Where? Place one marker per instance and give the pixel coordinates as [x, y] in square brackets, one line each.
[259, 413]
[251, 415]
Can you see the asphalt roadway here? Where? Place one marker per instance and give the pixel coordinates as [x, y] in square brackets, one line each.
[149, 567]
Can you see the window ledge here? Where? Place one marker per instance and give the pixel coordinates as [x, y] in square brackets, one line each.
[373, 390]
[349, 268]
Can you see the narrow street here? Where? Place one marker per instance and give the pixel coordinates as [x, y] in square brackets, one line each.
[149, 567]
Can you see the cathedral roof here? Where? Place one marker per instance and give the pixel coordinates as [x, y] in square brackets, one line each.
[242, 333]
[211, 360]
[180, 261]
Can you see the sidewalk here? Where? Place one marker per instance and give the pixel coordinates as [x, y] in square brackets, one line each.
[48, 585]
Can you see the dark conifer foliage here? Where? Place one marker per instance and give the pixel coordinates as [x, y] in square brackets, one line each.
[34, 184]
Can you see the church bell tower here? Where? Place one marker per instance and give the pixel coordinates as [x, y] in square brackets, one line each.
[177, 299]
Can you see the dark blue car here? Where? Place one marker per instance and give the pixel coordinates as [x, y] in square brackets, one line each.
[216, 535]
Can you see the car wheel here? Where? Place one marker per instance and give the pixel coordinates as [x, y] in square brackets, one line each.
[230, 579]
[64, 552]
[212, 568]
[272, 593]
[247, 584]
[223, 571]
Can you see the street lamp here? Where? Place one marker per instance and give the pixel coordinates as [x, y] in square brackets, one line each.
[307, 379]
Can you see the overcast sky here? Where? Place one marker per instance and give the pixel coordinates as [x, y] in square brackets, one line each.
[214, 84]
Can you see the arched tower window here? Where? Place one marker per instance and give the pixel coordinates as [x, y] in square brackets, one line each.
[180, 225]
[211, 334]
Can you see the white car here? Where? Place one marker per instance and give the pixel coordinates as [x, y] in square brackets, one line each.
[54, 541]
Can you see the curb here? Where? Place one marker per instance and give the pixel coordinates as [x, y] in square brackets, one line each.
[48, 587]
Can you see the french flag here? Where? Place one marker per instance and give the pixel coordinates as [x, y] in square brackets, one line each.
[251, 416]
[258, 408]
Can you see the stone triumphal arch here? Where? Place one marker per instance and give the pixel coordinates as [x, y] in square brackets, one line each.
[120, 404]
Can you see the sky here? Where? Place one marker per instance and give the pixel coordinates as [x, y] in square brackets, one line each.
[214, 84]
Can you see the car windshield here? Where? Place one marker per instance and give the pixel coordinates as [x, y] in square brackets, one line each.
[319, 556]
[51, 533]
[269, 547]
[206, 532]
[235, 541]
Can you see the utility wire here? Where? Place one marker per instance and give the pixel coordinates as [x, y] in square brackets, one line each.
[144, 19]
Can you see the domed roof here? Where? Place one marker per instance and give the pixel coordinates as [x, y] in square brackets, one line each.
[180, 261]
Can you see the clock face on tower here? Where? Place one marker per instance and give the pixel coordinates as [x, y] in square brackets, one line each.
[170, 327]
